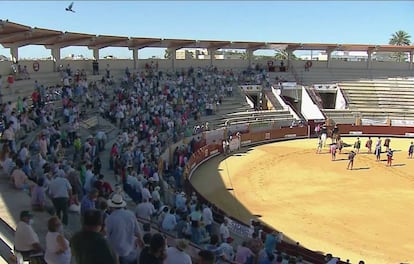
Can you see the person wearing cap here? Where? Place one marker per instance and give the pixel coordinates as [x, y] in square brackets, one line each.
[89, 246]
[206, 257]
[177, 254]
[26, 241]
[123, 231]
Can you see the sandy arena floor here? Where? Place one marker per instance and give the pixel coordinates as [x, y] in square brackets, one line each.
[366, 213]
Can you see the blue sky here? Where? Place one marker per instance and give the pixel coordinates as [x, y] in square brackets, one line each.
[344, 22]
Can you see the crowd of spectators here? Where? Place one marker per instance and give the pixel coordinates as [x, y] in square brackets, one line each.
[63, 172]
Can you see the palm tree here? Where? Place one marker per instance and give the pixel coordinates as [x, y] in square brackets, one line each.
[282, 54]
[400, 38]
[167, 54]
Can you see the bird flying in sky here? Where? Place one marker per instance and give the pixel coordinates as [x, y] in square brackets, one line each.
[69, 8]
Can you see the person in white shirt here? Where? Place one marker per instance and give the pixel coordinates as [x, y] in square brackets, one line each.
[169, 222]
[57, 246]
[176, 254]
[207, 218]
[26, 241]
[224, 230]
[145, 210]
[60, 191]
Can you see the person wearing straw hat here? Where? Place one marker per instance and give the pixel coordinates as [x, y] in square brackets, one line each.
[123, 231]
[176, 253]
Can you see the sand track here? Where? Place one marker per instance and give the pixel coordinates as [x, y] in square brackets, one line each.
[366, 213]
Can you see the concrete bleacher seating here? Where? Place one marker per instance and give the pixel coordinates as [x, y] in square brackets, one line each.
[281, 117]
[385, 98]
[332, 75]
[341, 116]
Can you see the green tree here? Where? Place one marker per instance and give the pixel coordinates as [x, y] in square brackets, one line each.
[400, 38]
[167, 54]
[282, 54]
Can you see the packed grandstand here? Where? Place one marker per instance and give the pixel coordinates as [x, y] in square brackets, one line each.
[132, 136]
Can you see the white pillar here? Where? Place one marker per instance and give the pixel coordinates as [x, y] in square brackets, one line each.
[249, 56]
[369, 60]
[95, 54]
[329, 55]
[173, 56]
[211, 52]
[135, 58]
[411, 60]
[55, 52]
[14, 54]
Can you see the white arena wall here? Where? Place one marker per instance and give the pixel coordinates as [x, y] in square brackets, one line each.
[46, 66]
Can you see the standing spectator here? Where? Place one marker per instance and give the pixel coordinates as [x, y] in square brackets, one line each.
[357, 145]
[57, 246]
[270, 242]
[176, 254]
[206, 257]
[255, 244]
[411, 150]
[169, 223]
[207, 218]
[195, 218]
[390, 153]
[244, 255]
[387, 142]
[378, 149]
[26, 241]
[368, 145]
[38, 196]
[156, 252]
[224, 230]
[89, 201]
[89, 246]
[145, 210]
[332, 149]
[123, 231]
[228, 249]
[351, 157]
[60, 191]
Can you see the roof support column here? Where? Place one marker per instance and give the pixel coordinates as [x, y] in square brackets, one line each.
[249, 56]
[369, 59]
[14, 54]
[55, 52]
[173, 52]
[211, 51]
[135, 57]
[411, 59]
[289, 57]
[329, 57]
[95, 53]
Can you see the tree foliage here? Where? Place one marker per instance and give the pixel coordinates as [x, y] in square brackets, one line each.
[282, 54]
[400, 38]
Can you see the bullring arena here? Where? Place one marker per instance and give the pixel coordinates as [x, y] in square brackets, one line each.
[276, 177]
[360, 212]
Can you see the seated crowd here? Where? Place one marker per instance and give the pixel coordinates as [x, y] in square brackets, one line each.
[63, 172]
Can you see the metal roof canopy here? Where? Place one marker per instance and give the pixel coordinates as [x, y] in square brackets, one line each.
[17, 35]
